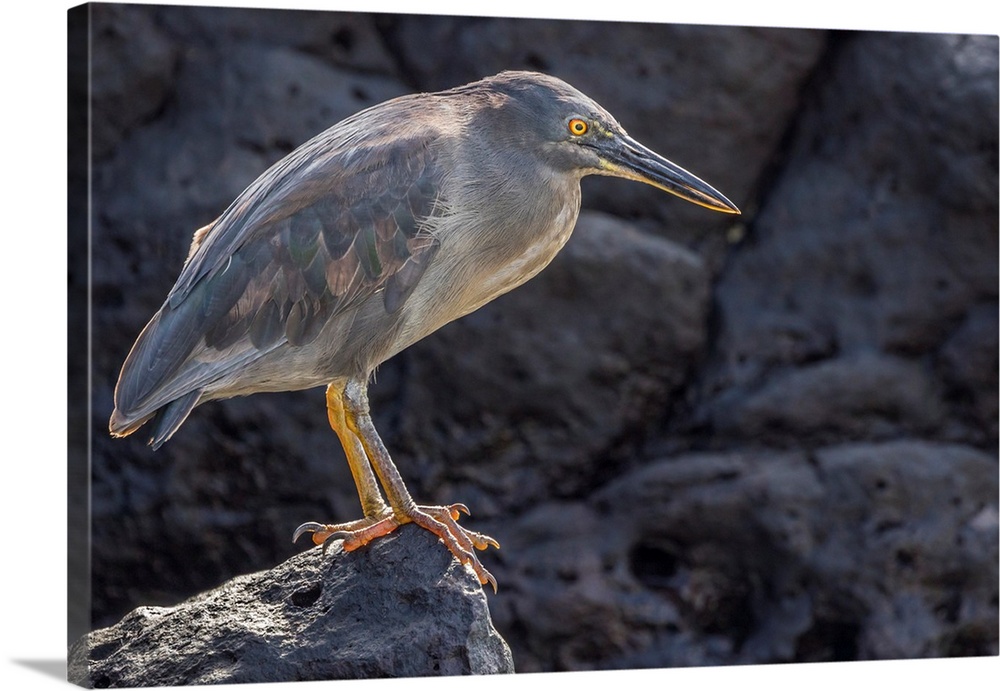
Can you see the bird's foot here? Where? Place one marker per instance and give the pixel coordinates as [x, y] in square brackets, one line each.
[353, 533]
[440, 520]
[443, 522]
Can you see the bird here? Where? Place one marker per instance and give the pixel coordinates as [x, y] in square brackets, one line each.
[365, 239]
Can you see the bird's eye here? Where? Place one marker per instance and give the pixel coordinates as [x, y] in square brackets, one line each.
[577, 127]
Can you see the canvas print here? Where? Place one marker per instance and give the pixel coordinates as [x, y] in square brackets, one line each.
[415, 345]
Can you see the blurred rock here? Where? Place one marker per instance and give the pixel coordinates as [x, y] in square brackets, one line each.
[861, 551]
[130, 79]
[969, 363]
[864, 396]
[346, 39]
[880, 235]
[402, 608]
[921, 520]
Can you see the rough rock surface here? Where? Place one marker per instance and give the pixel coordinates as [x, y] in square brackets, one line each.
[401, 607]
[699, 439]
[882, 229]
[737, 557]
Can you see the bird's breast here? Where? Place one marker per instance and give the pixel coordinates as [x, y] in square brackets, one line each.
[529, 259]
[482, 258]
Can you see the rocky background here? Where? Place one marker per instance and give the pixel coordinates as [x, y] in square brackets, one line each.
[699, 440]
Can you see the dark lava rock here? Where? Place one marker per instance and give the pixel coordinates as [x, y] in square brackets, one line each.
[874, 257]
[861, 551]
[401, 607]
[131, 80]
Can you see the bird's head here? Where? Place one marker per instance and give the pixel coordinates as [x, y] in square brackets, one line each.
[573, 133]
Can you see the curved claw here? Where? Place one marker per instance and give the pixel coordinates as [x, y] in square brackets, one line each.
[455, 508]
[482, 574]
[310, 527]
[489, 579]
[321, 534]
[483, 541]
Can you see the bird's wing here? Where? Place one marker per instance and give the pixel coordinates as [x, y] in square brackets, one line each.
[333, 223]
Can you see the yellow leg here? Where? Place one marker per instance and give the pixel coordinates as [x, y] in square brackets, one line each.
[350, 417]
[371, 499]
[374, 507]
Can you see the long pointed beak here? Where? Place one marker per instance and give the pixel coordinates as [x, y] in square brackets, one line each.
[622, 156]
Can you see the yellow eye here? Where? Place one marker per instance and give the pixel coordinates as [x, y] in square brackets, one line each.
[577, 127]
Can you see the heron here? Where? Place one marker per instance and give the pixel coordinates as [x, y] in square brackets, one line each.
[362, 241]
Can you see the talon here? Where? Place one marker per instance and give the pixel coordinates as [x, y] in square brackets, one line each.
[483, 541]
[489, 579]
[483, 575]
[310, 527]
[321, 534]
[455, 508]
[354, 533]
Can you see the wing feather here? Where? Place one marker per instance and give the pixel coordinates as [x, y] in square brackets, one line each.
[334, 223]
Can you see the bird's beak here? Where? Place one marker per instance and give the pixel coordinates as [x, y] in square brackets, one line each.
[622, 156]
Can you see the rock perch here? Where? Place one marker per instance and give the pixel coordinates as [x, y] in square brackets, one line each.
[399, 607]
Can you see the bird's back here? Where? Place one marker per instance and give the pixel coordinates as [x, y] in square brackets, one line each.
[334, 224]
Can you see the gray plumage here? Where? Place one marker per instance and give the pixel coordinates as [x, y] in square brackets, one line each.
[374, 234]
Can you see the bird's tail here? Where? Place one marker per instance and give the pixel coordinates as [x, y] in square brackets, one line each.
[165, 420]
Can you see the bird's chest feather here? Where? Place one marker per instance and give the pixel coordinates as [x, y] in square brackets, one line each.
[520, 245]
[532, 256]
[482, 259]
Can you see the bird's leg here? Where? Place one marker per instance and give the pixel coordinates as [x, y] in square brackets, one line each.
[371, 498]
[374, 507]
[440, 520]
